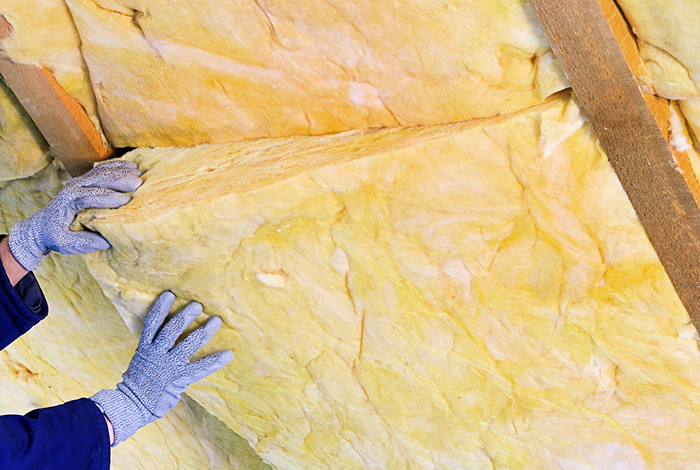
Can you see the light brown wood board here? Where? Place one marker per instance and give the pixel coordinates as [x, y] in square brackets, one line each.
[655, 182]
[63, 121]
[660, 107]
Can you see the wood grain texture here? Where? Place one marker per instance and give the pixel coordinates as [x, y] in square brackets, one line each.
[604, 84]
[5, 28]
[660, 107]
[62, 120]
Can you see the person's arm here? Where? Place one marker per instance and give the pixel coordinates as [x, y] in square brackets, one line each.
[77, 434]
[15, 272]
[110, 429]
[22, 305]
[72, 435]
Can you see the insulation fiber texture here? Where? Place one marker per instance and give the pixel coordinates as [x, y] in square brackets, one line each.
[477, 295]
[185, 72]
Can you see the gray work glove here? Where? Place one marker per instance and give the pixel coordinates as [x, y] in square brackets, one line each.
[48, 230]
[159, 372]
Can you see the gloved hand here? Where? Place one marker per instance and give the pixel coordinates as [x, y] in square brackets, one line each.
[48, 230]
[159, 372]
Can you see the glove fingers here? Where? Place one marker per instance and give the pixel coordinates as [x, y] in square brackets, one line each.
[127, 183]
[156, 316]
[197, 339]
[117, 164]
[80, 243]
[210, 364]
[176, 325]
[98, 198]
[118, 179]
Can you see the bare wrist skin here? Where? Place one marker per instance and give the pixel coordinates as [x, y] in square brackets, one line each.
[15, 271]
[110, 428]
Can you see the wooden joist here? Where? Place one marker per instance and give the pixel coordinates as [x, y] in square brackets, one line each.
[659, 188]
[62, 120]
[660, 107]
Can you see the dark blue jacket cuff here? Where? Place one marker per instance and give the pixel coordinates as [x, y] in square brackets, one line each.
[18, 313]
[69, 436]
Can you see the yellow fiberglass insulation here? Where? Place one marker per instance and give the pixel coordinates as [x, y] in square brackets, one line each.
[83, 346]
[668, 37]
[184, 72]
[469, 296]
[475, 295]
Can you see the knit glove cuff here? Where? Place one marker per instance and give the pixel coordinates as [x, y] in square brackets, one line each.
[24, 247]
[122, 409]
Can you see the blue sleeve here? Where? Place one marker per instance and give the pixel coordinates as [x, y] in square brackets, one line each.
[18, 313]
[69, 436]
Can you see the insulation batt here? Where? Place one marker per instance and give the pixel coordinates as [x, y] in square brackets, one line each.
[184, 72]
[668, 43]
[668, 36]
[469, 296]
[193, 71]
[83, 346]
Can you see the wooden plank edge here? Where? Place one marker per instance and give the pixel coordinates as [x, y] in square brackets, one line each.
[660, 107]
[63, 122]
[602, 80]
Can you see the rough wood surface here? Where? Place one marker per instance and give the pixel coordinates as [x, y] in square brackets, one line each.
[660, 107]
[5, 27]
[62, 120]
[583, 41]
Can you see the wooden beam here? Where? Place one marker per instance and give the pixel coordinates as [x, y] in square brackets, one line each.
[660, 107]
[602, 80]
[62, 120]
